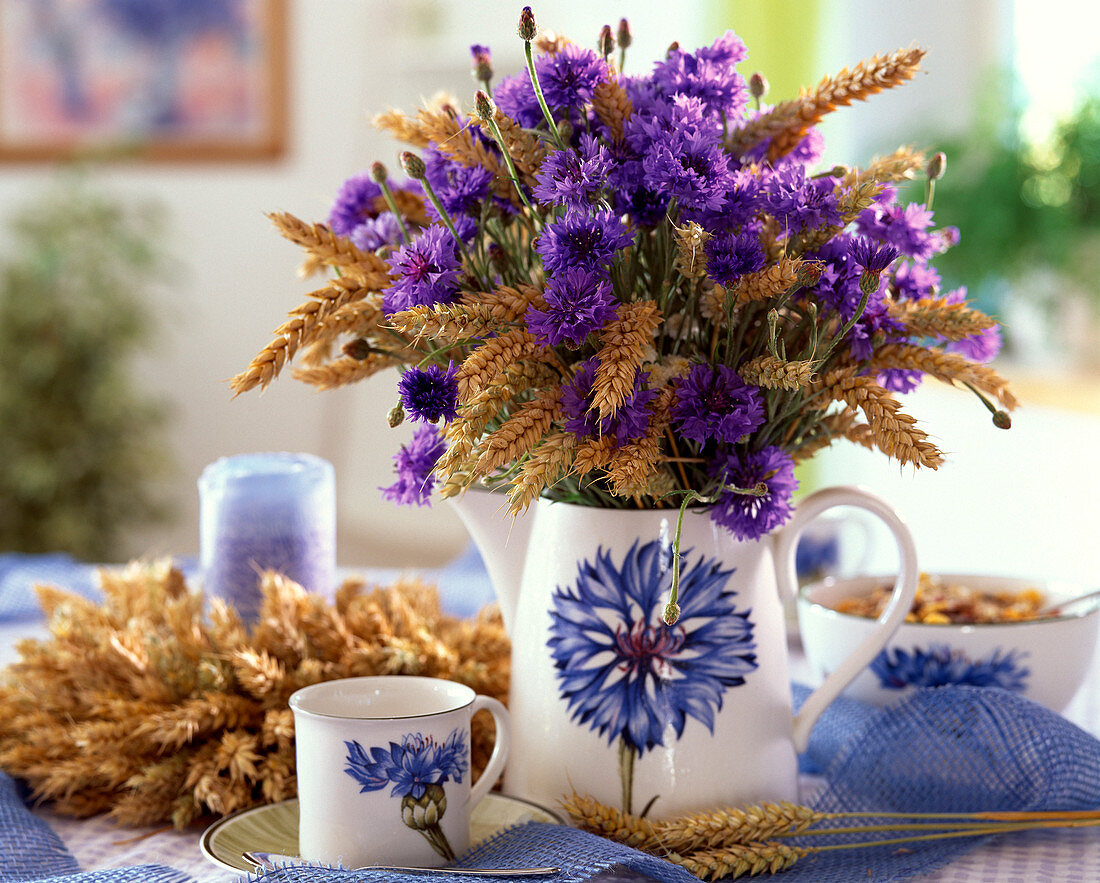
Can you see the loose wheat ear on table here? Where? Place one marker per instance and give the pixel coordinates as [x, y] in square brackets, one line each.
[141, 708]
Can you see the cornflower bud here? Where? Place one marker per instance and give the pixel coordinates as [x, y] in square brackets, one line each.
[396, 416]
[758, 86]
[378, 172]
[527, 29]
[672, 47]
[937, 165]
[624, 37]
[671, 613]
[809, 273]
[483, 63]
[606, 43]
[869, 281]
[484, 106]
[357, 349]
[1001, 420]
[565, 130]
[413, 165]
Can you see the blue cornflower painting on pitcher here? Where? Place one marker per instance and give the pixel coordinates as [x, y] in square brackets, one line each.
[624, 672]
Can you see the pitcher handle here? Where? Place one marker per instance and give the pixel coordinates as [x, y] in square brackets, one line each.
[900, 601]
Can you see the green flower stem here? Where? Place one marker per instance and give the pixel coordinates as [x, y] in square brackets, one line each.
[494, 129]
[626, 774]
[865, 296]
[446, 217]
[672, 608]
[538, 94]
[392, 203]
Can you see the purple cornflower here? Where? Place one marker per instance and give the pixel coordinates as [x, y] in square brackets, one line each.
[482, 60]
[981, 347]
[567, 79]
[430, 393]
[425, 272]
[730, 255]
[746, 516]
[356, 201]
[708, 74]
[631, 196]
[581, 239]
[461, 189]
[376, 232]
[515, 96]
[799, 204]
[713, 402]
[914, 280]
[577, 302]
[905, 227]
[360, 212]
[901, 380]
[629, 422]
[682, 154]
[413, 464]
[574, 177]
[568, 76]
[873, 259]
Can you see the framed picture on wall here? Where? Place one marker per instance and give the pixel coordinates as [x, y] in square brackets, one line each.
[176, 80]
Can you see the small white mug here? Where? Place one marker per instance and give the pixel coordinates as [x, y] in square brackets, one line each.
[384, 769]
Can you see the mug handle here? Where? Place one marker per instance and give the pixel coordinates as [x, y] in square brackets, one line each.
[888, 621]
[503, 742]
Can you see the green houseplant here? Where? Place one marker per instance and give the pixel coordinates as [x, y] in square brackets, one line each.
[78, 445]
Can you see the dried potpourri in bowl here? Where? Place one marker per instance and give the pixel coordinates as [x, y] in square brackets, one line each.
[965, 629]
[940, 601]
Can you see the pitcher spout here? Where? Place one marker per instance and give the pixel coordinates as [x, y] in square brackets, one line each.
[502, 542]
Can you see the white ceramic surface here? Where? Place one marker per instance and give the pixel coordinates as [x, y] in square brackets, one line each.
[1045, 660]
[608, 700]
[383, 766]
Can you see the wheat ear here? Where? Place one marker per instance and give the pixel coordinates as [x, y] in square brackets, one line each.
[267, 364]
[613, 107]
[623, 345]
[545, 465]
[948, 367]
[489, 360]
[787, 123]
[894, 432]
[773, 373]
[345, 370]
[738, 861]
[403, 128]
[327, 247]
[933, 317]
[520, 432]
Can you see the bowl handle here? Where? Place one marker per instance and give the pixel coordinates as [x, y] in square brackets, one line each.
[900, 601]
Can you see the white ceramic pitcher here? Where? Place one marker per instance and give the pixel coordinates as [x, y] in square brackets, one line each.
[607, 700]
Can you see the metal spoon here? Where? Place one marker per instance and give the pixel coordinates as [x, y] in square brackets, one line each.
[1058, 607]
[269, 861]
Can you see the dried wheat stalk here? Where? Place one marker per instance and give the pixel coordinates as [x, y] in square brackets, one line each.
[623, 343]
[948, 367]
[786, 124]
[773, 373]
[146, 708]
[613, 107]
[541, 469]
[932, 317]
[894, 432]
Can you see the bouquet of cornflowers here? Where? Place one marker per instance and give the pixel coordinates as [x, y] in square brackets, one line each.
[634, 290]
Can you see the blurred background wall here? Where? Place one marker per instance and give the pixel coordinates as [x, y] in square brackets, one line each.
[233, 278]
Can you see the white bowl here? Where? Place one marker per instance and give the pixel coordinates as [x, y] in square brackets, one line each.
[1044, 659]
